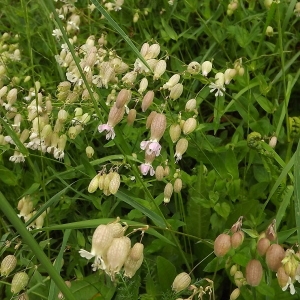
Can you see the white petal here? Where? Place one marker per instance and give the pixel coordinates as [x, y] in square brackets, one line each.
[85, 254]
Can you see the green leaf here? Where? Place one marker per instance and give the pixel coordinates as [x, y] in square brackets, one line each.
[265, 104]
[166, 272]
[215, 265]
[265, 289]
[222, 209]
[7, 176]
[169, 30]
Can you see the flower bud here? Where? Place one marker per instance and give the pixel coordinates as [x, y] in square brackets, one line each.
[181, 282]
[143, 85]
[123, 98]
[268, 3]
[176, 91]
[24, 135]
[237, 239]
[172, 81]
[3, 91]
[274, 256]
[189, 126]
[115, 115]
[191, 105]
[101, 240]
[89, 151]
[147, 100]
[94, 184]
[229, 75]
[282, 277]
[241, 71]
[150, 119]
[117, 229]
[269, 31]
[239, 279]
[62, 115]
[152, 52]
[117, 254]
[181, 147]
[158, 126]
[233, 270]
[129, 78]
[235, 294]
[114, 183]
[19, 282]
[262, 246]
[159, 69]
[175, 132]
[131, 116]
[8, 264]
[159, 173]
[144, 49]
[134, 260]
[194, 68]
[168, 191]
[23, 296]
[222, 245]
[166, 171]
[72, 132]
[177, 185]
[206, 68]
[12, 96]
[254, 272]
[101, 181]
[273, 141]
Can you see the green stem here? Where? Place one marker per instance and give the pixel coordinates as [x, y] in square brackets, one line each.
[34, 246]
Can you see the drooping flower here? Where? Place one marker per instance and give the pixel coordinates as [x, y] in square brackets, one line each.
[158, 127]
[218, 85]
[114, 117]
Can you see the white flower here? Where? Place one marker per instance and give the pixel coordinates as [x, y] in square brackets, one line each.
[57, 33]
[291, 285]
[218, 85]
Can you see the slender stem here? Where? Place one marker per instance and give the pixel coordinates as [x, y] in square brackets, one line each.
[34, 246]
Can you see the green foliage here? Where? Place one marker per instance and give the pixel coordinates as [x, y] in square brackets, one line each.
[242, 158]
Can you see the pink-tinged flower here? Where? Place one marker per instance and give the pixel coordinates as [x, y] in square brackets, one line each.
[151, 147]
[109, 129]
[145, 168]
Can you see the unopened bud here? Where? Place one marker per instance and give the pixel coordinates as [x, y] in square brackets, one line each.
[189, 126]
[233, 270]
[168, 191]
[262, 246]
[12, 96]
[177, 185]
[235, 294]
[134, 260]
[222, 244]
[94, 184]
[62, 115]
[129, 78]
[254, 272]
[274, 256]
[123, 98]
[181, 148]
[131, 116]
[8, 264]
[237, 239]
[239, 279]
[147, 100]
[115, 115]
[159, 69]
[114, 183]
[143, 85]
[191, 105]
[181, 282]
[282, 277]
[89, 151]
[176, 91]
[229, 75]
[159, 173]
[269, 31]
[117, 254]
[273, 141]
[166, 171]
[152, 52]
[175, 132]
[158, 126]
[172, 81]
[150, 119]
[19, 282]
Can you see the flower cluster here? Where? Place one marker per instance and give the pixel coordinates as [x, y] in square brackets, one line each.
[112, 251]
